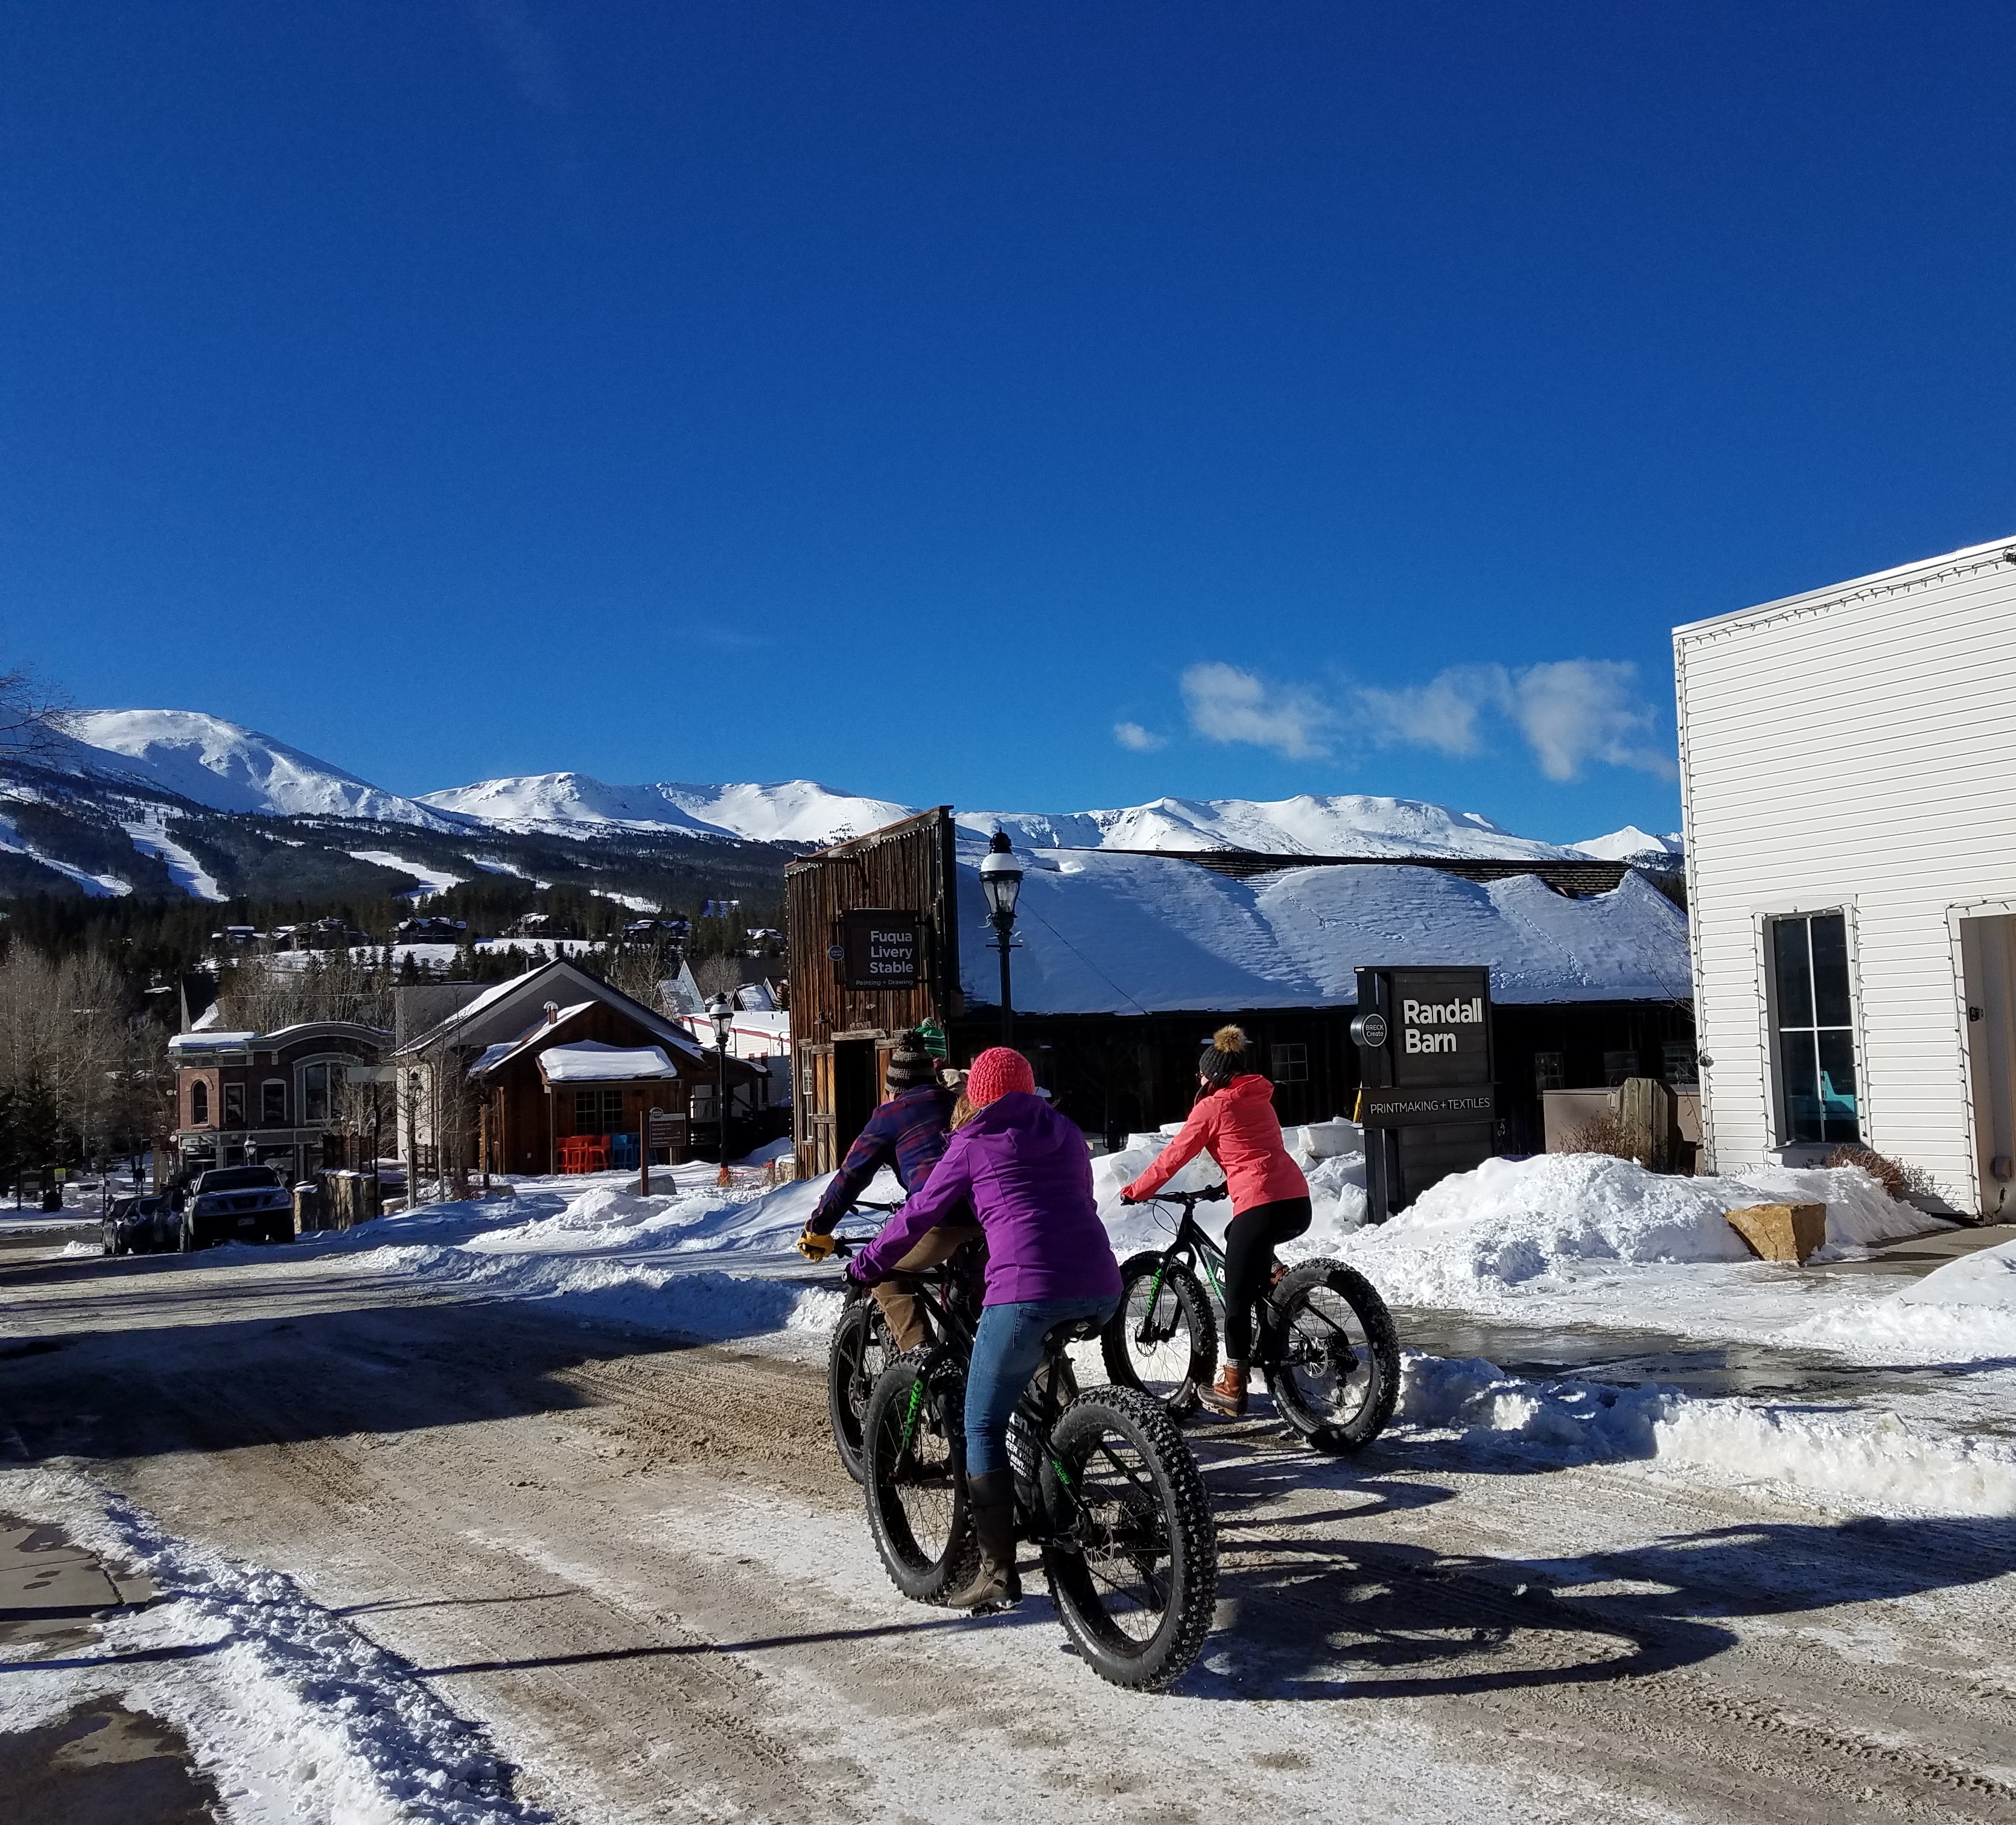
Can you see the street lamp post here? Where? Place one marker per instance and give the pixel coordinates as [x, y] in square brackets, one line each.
[721, 1010]
[1001, 879]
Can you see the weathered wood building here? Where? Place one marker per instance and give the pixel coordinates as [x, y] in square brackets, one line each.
[474, 1091]
[1126, 962]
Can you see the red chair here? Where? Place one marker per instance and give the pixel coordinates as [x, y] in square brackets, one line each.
[585, 1153]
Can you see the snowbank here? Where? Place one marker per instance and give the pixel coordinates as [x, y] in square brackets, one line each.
[1963, 1312]
[1870, 1463]
[293, 1714]
[1542, 1225]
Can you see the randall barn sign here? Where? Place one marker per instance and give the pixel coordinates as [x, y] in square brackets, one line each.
[1429, 1103]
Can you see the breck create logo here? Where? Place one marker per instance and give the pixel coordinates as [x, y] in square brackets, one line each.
[1415, 1015]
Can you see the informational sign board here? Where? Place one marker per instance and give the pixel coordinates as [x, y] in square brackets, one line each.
[1429, 1103]
[668, 1129]
[881, 949]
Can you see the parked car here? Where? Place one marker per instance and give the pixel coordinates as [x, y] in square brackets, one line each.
[140, 1226]
[238, 1203]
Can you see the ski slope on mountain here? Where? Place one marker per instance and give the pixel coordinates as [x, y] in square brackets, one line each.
[227, 767]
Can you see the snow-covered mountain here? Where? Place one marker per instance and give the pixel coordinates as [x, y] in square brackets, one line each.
[802, 811]
[228, 767]
[119, 802]
[790, 811]
[1630, 844]
[1348, 824]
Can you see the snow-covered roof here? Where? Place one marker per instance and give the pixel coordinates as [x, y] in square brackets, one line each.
[1103, 933]
[209, 1041]
[484, 1017]
[591, 1061]
[492, 1055]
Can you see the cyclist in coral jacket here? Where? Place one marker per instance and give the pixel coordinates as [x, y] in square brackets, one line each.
[1234, 1121]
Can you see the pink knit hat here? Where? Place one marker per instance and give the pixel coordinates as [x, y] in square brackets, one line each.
[995, 1072]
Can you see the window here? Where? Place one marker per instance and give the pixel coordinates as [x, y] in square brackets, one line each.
[234, 1105]
[598, 1111]
[318, 1083]
[198, 1104]
[1813, 1020]
[1291, 1064]
[1549, 1072]
[273, 1103]
[1618, 1066]
[1678, 1064]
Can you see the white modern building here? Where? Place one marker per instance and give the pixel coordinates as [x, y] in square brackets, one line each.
[1848, 763]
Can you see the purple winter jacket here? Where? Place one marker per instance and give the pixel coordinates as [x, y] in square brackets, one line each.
[1027, 1173]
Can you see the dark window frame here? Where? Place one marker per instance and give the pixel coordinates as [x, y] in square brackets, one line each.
[1812, 1006]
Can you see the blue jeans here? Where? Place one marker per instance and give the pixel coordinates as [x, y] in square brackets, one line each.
[1007, 1350]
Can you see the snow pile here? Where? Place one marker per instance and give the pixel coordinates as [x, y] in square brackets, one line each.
[1873, 1464]
[629, 1290]
[293, 1714]
[1963, 1312]
[1542, 1225]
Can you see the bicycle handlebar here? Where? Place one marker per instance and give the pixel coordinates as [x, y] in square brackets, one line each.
[1188, 1199]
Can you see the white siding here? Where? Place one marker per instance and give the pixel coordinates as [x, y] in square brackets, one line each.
[1855, 747]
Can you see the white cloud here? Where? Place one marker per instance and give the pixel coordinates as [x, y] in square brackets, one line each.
[1569, 712]
[1576, 710]
[1142, 741]
[1442, 713]
[1227, 704]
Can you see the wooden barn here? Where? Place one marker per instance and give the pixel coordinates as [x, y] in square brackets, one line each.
[1125, 963]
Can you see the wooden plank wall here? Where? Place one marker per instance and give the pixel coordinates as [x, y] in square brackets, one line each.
[910, 867]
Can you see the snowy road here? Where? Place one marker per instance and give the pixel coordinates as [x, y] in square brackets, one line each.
[639, 1567]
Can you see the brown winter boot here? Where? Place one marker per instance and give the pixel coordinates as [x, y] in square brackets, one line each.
[1229, 1396]
[997, 1584]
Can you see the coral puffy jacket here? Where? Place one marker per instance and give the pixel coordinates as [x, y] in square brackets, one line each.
[1238, 1128]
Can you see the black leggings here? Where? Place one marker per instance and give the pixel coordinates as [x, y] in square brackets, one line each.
[1249, 1258]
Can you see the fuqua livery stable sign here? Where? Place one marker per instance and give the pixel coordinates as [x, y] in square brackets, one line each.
[1428, 1100]
[880, 948]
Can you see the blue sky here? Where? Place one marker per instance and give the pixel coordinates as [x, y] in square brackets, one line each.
[1028, 406]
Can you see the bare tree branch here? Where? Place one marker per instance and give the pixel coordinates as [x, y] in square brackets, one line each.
[31, 713]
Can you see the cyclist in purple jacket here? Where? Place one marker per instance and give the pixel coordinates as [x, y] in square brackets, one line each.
[1028, 1172]
[907, 1134]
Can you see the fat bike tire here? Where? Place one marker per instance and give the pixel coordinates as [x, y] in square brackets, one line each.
[913, 1472]
[1337, 1371]
[1132, 1558]
[862, 1348]
[1162, 1338]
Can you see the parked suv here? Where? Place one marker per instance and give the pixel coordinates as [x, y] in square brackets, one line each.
[238, 1203]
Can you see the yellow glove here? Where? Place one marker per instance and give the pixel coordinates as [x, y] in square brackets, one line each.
[814, 1246]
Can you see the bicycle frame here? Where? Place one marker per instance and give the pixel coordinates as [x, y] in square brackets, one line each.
[1193, 1248]
[1040, 1407]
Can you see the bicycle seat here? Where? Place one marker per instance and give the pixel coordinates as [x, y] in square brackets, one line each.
[1073, 1330]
